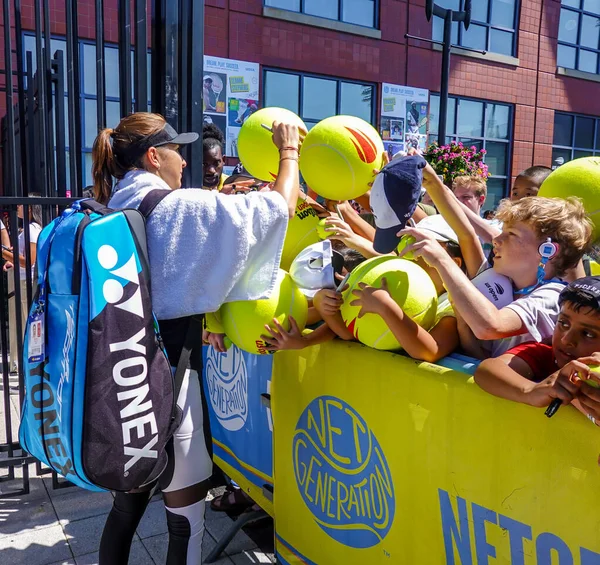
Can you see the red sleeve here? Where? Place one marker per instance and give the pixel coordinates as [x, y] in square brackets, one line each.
[538, 356]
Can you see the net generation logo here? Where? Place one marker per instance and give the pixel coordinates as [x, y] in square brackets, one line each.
[342, 474]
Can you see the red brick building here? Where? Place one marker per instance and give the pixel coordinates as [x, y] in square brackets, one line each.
[530, 99]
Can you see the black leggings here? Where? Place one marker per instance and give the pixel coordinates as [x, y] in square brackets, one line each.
[123, 520]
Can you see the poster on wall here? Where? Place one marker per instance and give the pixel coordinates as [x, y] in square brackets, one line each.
[229, 96]
[404, 114]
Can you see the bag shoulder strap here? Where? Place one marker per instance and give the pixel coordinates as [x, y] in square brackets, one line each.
[152, 200]
[191, 341]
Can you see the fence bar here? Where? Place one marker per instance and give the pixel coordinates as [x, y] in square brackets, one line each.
[58, 67]
[41, 102]
[73, 98]
[195, 73]
[125, 56]
[141, 56]
[21, 69]
[48, 115]
[100, 67]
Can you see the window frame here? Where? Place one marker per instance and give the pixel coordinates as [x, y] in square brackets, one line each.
[489, 26]
[573, 148]
[338, 80]
[376, 19]
[454, 136]
[577, 46]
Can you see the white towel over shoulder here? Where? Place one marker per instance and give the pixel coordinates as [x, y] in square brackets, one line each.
[207, 248]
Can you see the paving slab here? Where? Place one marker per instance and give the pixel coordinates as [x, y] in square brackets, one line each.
[78, 504]
[138, 556]
[22, 513]
[84, 535]
[35, 547]
[157, 547]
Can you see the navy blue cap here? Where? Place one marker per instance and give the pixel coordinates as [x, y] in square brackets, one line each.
[394, 197]
[589, 285]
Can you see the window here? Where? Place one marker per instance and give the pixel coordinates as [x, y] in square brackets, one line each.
[574, 136]
[579, 35]
[314, 98]
[358, 12]
[89, 123]
[493, 25]
[486, 125]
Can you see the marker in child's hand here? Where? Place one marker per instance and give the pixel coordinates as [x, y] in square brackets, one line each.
[555, 404]
[268, 128]
[343, 283]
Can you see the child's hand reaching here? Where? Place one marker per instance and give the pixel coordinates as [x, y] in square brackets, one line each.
[371, 300]
[280, 339]
[327, 302]
[214, 339]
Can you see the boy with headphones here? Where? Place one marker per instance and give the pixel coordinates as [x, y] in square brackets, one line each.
[541, 239]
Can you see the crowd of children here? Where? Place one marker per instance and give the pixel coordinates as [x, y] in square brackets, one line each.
[536, 347]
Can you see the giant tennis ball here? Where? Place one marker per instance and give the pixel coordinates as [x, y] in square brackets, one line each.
[301, 232]
[409, 285]
[255, 144]
[244, 321]
[581, 178]
[338, 157]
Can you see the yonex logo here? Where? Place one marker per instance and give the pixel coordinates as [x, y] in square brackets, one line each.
[128, 361]
[113, 290]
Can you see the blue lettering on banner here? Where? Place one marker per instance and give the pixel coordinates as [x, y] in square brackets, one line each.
[549, 548]
[342, 473]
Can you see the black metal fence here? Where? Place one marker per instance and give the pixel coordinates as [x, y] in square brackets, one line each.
[43, 159]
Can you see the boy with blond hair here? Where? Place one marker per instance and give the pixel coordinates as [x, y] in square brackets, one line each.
[471, 191]
[541, 239]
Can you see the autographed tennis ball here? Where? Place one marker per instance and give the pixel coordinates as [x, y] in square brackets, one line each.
[244, 321]
[338, 157]
[302, 231]
[255, 144]
[580, 178]
[321, 229]
[409, 285]
[405, 242]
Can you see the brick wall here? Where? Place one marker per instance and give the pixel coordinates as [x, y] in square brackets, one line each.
[237, 29]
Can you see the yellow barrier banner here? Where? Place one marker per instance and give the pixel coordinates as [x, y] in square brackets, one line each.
[381, 459]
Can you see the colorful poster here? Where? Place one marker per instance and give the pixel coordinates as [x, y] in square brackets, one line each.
[230, 95]
[404, 113]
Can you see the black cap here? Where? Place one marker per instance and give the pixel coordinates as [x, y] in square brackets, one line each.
[166, 136]
[588, 285]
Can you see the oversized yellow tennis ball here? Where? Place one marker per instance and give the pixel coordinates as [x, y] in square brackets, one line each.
[301, 232]
[255, 144]
[244, 321]
[338, 157]
[409, 285]
[321, 229]
[405, 242]
[580, 178]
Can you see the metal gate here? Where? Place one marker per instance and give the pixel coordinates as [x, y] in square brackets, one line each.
[44, 149]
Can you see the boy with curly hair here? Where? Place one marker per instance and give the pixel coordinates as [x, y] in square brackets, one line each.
[541, 239]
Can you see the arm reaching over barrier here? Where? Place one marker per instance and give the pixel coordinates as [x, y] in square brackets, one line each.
[416, 340]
